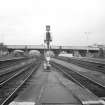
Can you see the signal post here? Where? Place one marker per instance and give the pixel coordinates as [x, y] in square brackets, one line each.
[47, 42]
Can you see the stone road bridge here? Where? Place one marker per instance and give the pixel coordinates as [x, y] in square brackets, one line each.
[56, 49]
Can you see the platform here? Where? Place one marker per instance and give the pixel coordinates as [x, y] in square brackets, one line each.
[93, 75]
[45, 89]
[51, 88]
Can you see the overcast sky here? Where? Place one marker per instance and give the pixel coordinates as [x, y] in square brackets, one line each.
[73, 22]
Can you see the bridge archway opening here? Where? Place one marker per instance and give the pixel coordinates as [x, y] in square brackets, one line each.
[63, 52]
[34, 53]
[18, 53]
[51, 53]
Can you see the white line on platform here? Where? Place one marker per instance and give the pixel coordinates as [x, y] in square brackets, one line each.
[93, 102]
[22, 103]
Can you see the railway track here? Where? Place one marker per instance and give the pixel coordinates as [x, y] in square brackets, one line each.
[5, 74]
[79, 79]
[9, 63]
[85, 64]
[14, 81]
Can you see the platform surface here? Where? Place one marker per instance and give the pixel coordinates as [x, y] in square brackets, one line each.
[93, 75]
[56, 93]
[52, 88]
[45, 89]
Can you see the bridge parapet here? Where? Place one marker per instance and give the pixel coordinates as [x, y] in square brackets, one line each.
[52, 47]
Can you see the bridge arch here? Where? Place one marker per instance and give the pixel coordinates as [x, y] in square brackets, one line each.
[34, 53]
[18, 52]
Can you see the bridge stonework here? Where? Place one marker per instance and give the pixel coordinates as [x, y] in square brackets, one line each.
[76, 50]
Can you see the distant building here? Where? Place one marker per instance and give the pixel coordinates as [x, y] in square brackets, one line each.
[3, 49]
[98, 45]
[101, 50]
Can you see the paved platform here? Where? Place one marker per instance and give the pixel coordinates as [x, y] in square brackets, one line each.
[56, 93]
[45, 89]
[93, 75]
[83, 94]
